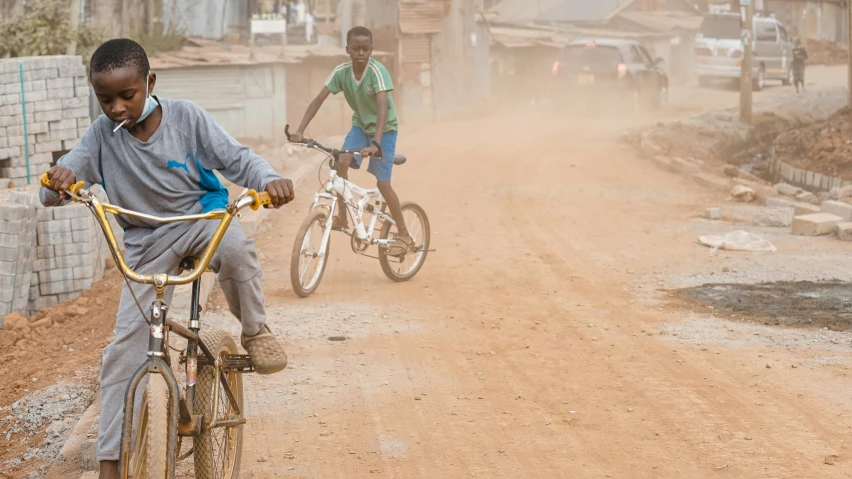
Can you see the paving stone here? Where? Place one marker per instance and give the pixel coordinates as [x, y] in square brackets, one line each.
[713, 213]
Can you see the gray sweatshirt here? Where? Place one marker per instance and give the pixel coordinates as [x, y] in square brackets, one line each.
[169, 175]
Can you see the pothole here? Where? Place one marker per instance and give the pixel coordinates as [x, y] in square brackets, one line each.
[800, 304]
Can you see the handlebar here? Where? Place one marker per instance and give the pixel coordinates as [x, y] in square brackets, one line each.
[307, 142]
[248, 199]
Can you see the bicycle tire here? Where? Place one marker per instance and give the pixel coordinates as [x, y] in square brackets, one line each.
[217, 457]
[304, 288]
[422, 240]
[149, 459]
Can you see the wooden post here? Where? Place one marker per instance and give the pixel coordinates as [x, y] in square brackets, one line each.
[746, 87]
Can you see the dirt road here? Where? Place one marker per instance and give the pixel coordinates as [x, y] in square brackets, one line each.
[537, 340]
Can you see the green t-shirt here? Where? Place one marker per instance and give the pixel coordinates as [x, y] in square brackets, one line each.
[361, 95]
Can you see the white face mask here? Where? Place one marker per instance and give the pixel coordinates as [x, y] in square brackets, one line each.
[151, 103]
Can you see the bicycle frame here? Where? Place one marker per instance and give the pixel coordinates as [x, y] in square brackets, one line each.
[182, 419]
[370, 201]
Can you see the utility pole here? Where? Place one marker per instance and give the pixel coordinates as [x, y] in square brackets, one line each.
[746, 16]
[849, 35]
[75, 24]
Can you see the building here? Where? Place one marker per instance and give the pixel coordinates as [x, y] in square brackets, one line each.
[813, 19]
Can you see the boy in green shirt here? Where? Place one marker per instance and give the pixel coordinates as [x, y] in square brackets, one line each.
[367, 86]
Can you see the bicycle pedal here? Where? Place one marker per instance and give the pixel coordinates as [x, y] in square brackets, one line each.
[237, 363]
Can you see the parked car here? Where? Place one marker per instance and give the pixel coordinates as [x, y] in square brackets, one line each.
[719, 50]
[607, 67]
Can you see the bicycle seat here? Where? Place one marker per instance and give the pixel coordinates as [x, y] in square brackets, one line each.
[399, 159]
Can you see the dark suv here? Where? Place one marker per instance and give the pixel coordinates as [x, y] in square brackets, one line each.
[607, 67]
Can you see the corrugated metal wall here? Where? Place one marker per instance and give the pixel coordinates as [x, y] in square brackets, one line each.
[249, 101]
[205, 18]
[815, 19]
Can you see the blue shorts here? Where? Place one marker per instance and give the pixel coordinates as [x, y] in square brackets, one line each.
[381, 168]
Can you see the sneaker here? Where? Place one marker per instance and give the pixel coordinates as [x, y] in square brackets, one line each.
[266, 352]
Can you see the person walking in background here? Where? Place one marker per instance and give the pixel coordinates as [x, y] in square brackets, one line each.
[800, 55]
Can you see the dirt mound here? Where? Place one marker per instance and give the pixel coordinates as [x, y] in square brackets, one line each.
[51, 358]
[824, 52]
[824, 147]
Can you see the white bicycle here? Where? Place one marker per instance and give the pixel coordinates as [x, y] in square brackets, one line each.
[311, 249]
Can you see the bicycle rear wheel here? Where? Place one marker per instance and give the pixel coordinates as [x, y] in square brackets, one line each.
[218, 450]
[306, 264]
[149, 459]
[403, 268]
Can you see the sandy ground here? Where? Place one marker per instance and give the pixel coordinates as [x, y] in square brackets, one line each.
[541, 338]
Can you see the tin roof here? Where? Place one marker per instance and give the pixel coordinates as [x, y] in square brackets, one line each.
[200, 52]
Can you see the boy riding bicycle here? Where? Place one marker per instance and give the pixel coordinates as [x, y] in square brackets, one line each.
[367, 86]
[157, 156]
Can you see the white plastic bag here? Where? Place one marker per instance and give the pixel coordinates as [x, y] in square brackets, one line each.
[738, 241]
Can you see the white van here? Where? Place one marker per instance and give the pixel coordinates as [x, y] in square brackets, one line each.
[719, 50]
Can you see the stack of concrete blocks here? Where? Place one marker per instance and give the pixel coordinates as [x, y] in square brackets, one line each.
[55, 92]
[17, 255]
[65, 252]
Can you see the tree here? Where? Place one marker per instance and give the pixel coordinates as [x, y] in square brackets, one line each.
[44, 28]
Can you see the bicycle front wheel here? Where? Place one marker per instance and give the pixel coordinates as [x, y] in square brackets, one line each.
[404, 267]
[219, 449]
[307, 265]
[149, 459]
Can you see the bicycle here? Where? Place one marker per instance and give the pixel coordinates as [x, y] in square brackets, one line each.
[211, 409]
[309, 258]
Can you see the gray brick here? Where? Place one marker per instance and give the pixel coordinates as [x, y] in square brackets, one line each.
[45, 214]
[38, 95]
[41, 158]
[8, 241]
[81, 235]
[43, 74]
[69, 144]
[8, 254]
[81, 91]
[48, 146]
[70, 212]
[44, 264]
[81, 112]
[84, 272]
[60, 93]
[29, 198]
[82, 284]
[83, 224]
[37, 128]
[59, 135]
[11, 227]
[34, 292]
[56, 239]
[13, 211]
[47, 105]
[55, 275]
[63, 297]
[13, 152]
[6, 296]
[72, 249]
[47, 116]
[75, 71]
[8, 267]
[44, 302]
[58, 287]
[16, 141]
[75, 102]
[56, 226]
[4, 142]
[34, 279]
[60, 83]
[63, 124]
[71, 261]
[5, 153]
[46, 251]
[7, 121]
[34, 85]
[81, 82]
[84, 122]
[10, 99]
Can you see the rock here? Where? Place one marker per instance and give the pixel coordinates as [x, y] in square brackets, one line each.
[262, 459]
[16, 322]
[42, 323]
[844, 192]
[831, 460]
[787, 190]
[743, 193]
[807, 197]
[7, 339]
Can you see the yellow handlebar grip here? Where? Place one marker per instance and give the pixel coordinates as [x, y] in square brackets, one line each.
[45, 181]
[76, 187]
[260, 198]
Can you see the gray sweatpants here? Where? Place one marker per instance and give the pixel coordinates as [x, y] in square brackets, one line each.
[239, 278]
